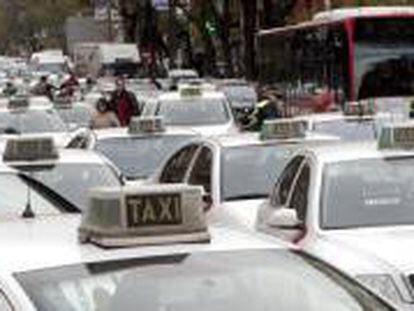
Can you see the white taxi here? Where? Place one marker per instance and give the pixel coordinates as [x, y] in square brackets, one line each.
[140, 149]
[208, 112]
[352, 206]
[33, 115]
[150, 248]
[70, 173]
[237, 171]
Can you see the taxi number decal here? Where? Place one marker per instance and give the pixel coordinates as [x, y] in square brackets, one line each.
[154, 210]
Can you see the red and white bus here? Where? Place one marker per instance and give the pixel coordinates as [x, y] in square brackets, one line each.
[341, 55]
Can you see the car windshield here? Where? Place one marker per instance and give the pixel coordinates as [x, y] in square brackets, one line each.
[348, 130]
[138, 157]
[370, 192]
[216, 281]
[244, 178]
[198, 111]
[81, 116]
[73, 180]
[240, 95]
[31, 121]
[51, 67]
[16, 192]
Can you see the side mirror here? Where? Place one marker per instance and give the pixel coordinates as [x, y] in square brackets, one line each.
[285, 219]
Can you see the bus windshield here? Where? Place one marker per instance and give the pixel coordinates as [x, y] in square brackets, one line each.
[384, 55]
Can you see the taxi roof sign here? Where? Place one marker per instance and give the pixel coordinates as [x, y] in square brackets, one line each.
[397, 136]
[361, 108]
[18, 102]
[146, 125]
[283, 129]
[30, 149]
[144, 215]
[190, 91]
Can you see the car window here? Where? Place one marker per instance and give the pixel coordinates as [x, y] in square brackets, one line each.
[204, 281]
[73, 181]
[16, 194]
[176, 168]
[202, 170]
[285, 181]
[299, 199]
[5, 303]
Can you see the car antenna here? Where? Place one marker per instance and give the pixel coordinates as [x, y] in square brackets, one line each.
[28, 211]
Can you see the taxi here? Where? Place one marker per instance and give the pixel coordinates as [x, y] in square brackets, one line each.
[359, 121]
[237, 171]
[201, 109]
[70, 173]
[351, 205]
[32, 115]
[139, 149]
[151, 248]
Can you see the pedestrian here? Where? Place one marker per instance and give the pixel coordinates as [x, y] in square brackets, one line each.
[271, 107]
[103, 117]
[123, 103]
[44, 88]
[10, 89]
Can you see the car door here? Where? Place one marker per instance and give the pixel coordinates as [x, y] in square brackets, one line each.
[285, 213]
[201, 173]
[176, 168]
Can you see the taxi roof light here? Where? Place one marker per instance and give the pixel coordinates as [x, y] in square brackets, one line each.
[30, 149]
[146, 125]
[360, 108]
[144, 215]
[186, 90]
[283, 129]
[397, 136]
[18, 102]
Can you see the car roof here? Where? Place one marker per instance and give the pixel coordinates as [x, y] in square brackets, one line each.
[334, 116]
[348, 151]
[205, 94]
[252, 138]
[24, 244]
[123, 132]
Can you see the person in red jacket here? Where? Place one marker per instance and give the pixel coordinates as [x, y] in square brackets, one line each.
[123, 103]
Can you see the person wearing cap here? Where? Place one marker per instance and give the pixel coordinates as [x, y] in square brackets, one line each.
[123, 103]
[10, 89]
[103, 117]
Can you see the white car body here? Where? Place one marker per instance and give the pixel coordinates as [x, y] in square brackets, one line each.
[51, 242]
[151, 109]
[377, 251]
[242, 211]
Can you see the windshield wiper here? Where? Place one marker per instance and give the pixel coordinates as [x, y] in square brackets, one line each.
[247, 197]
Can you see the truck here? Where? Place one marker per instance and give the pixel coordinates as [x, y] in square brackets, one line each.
[107, 59]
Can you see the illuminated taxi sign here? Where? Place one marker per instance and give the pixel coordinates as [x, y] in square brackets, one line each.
[191, 91]
[144, 215]
[361, 108]
[18, 103]
[283, 129]
[146, 125]
[30, 149]
[397, 136]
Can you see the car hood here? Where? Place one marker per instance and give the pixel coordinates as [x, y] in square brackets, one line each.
[391, 248]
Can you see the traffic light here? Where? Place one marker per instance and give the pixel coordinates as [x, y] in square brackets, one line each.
[211, 28]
